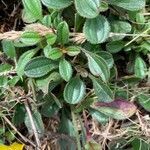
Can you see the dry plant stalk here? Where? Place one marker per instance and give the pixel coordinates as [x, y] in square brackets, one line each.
[78, 38]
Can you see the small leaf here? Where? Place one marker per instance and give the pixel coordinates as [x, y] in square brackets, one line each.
[10, 135]
[107, 57]
[63, 33]
[100, 117]
[92, 145]
[19, 114]
[118, 109]
[49, 108]
[74, 91]
[96, 30]
[23, 60]
[43, 83]
[120, 27]
[144, 101]
[37, 119]
[27, 17]
[79, 22]
[12, 82]
[115, 46]
[30, 38]
[88, 8]
[73, 50]
[102, 91]
[33, 7]
[14, 146]
[51, 39]
[140, 68]
[132, 5]
[98, 66]
[84, 105]
[103, 6]
[140, 144]
[3, 81]
[56, 4]
[9, 48]
[39, 66]
[4, 68]
[47, 21]
[131, 80]
[66, 127]
[65, 69]
[55, 53]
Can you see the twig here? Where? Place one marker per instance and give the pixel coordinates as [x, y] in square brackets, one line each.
[33, 126]
[137, 37]
[146, 14]
[75, 37]
[125, 34]
[15, 129]
[106, 133]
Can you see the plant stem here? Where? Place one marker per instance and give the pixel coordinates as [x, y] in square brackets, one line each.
[16, 130]
[76, 130]
[33, 126]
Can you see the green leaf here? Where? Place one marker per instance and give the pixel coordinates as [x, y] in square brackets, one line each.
[63, 33]
[140, 144]
[2, 130]
[132, 5]
[54, 53]
[115, 46]
[131, 80]
[23, 60]
[51, 39]
[65, 69]
[108, 58]
[4, 68]
[43, 83]
[100, 117]
[3, 81]
[96, 30]
[144, 101]
[88, 8]
[56, 4]
[84, 105]
[92, 145]
[12, 82]
[37, 119]
[140, 68]
[33, 7]
[118, 109]
[66, 127]
[19, 114]
[78, 23]
[119, 27]
[27, 17]
[8, 48]
[73, 50]
[30, 38]
[104, 6]
[39, 66]
[57, 19]
[49, 108]
[47, 49]
[47, 20]
[102, 90]
[74, 91]
[98, 66]
[10, 135]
